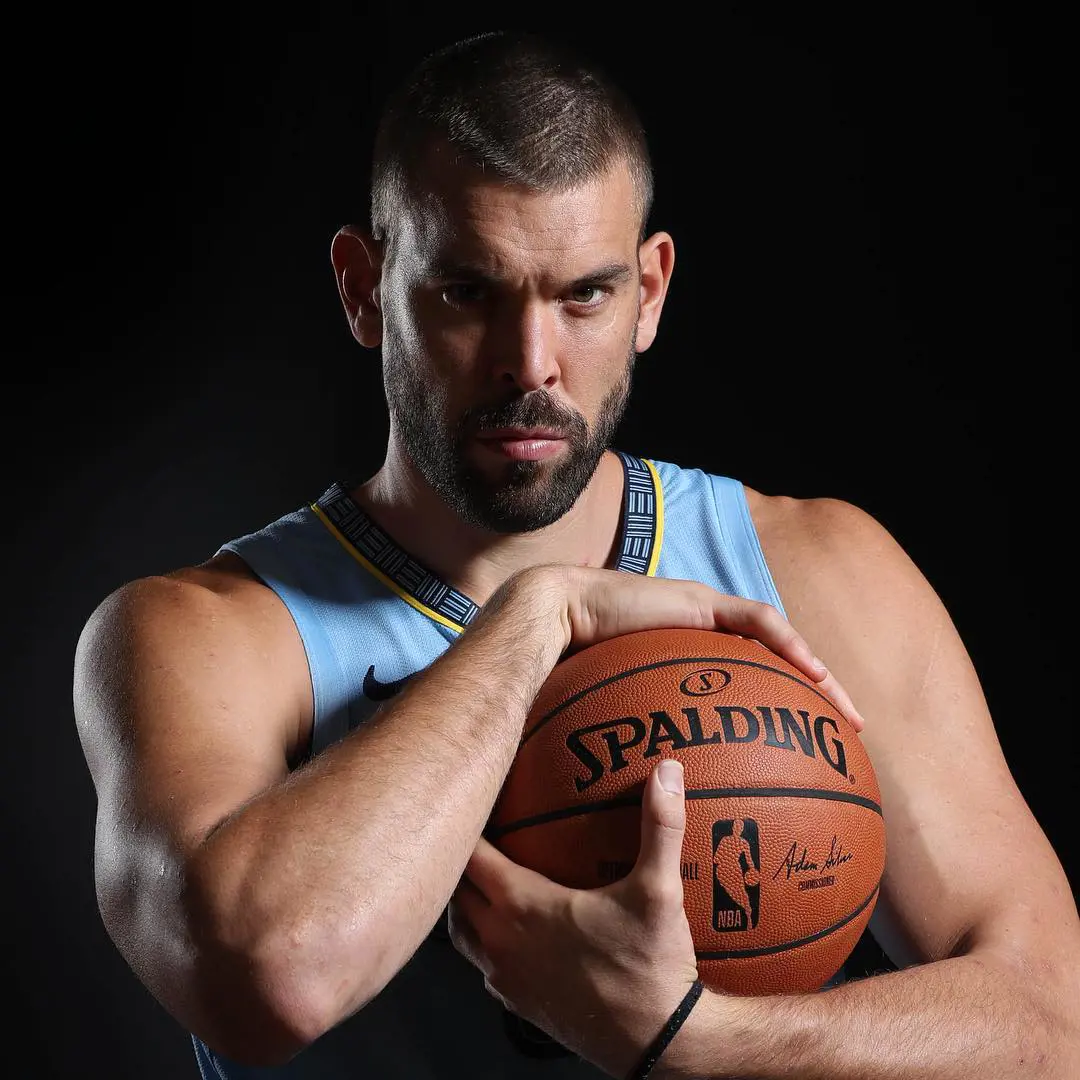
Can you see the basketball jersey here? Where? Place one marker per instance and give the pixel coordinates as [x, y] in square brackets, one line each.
[370, 616]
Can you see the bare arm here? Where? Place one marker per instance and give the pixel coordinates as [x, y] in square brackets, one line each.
[263, 906]
[975, 905]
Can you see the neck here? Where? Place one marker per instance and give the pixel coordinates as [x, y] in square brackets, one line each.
[475, 560]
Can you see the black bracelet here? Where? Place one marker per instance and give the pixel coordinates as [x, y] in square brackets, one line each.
[660, 1043]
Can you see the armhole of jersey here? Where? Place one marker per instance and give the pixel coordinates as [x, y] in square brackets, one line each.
[323, 667]
[738, 525]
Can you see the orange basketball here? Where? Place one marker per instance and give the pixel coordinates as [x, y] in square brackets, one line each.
[785, 841]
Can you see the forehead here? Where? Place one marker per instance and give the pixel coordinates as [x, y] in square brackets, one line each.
[467, 216]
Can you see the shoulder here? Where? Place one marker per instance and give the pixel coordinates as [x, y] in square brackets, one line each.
[215, 622]
[811, 522]
[829, 536]
[223, 588]
[848, 585]
[221, 599]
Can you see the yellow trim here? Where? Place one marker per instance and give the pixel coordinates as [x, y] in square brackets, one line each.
[659, 488]
[411, 600]
[371, 568]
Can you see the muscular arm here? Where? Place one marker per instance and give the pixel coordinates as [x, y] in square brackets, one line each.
[974, 907]
[262, 907]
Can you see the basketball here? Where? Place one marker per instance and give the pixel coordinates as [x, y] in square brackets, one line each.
[785, 841]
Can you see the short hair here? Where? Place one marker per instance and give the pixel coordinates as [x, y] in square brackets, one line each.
[529, 110]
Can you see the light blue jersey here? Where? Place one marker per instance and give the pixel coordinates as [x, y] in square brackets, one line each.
[370, 616]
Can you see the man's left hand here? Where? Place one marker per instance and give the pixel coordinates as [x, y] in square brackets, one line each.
[600, 970]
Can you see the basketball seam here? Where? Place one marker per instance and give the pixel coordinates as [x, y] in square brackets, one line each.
[691, 793]
[574, 698]
[767, 950]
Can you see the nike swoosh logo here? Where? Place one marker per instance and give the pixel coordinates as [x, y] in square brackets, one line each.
[382, 691]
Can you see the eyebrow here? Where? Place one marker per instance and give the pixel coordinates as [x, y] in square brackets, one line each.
[611, 274]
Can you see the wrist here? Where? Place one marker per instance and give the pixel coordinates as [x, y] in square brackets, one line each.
[527, 618]
[691, 1054]
[668, 1033]
[540, 599]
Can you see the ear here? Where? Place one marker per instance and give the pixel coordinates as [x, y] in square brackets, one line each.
[656, 257]
[357, 261]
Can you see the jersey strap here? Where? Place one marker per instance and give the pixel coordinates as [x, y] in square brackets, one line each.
[640, 537]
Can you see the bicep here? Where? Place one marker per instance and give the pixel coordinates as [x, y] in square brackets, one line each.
[182, 721]
[967, 864]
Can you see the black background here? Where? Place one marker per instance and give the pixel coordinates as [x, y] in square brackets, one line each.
[872, 300]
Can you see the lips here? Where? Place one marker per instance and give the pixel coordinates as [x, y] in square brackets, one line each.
[522, 444]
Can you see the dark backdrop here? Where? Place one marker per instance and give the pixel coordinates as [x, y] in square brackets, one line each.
[872, 300]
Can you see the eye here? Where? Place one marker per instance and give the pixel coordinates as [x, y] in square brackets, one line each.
[460, 294]
[587, 295]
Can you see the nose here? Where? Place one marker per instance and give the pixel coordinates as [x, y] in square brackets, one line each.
[526, 347]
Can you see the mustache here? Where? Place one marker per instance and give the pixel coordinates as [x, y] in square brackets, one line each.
[537, 409]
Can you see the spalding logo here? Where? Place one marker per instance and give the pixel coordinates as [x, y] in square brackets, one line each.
[705, 682]
[775, 726]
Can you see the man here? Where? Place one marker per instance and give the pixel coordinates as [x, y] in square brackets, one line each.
[296, 745]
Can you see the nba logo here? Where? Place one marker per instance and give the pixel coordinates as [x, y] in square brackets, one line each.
[736, 874]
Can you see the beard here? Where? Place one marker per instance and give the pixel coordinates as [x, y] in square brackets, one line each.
[526, 495]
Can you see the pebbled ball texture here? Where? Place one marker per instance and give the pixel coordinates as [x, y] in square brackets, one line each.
[785, 839]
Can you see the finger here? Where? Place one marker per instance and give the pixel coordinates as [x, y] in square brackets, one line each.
[498, 877]
[663, 823]
[608, 603]
[751, 618]
[831, 688]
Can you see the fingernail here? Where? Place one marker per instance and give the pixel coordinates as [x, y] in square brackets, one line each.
[671, 776]
[820, 664]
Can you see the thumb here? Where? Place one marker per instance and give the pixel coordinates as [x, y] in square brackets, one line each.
[663, 821]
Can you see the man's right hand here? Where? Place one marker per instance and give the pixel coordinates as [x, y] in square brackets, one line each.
[586, 605]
